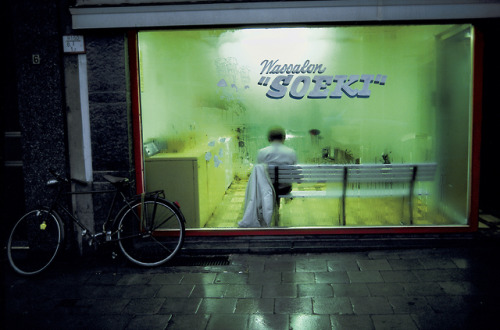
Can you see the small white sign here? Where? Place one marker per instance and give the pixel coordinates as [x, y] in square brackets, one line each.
[73, 44]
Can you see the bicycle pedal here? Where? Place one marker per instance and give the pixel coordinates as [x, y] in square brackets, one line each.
[113, 255]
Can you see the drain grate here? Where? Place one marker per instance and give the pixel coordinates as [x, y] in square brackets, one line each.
[200, 261]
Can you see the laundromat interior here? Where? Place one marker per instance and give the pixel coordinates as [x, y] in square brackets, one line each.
[393, 94]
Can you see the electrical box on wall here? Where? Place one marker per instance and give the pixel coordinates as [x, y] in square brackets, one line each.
[150, 149]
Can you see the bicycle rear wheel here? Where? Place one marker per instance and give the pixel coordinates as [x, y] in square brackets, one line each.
[34, 242]
[151, 232]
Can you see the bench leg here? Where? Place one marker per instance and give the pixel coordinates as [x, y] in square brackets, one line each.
[411, 210]
[277, 212]
[341, 216]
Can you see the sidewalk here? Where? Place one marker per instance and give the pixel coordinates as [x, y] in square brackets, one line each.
[424, 288]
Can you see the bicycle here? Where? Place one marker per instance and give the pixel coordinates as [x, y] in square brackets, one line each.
[149, 229]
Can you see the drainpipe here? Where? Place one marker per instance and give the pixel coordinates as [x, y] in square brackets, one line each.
[79, 140]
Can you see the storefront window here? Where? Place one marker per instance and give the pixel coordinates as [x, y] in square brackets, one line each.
[344, 95]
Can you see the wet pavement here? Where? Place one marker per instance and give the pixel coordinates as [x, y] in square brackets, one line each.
[445, 287]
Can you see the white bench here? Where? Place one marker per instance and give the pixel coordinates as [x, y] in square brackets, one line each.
[357, 180]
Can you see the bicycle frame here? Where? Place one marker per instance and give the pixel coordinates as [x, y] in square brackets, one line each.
[109, 219]
[57, 204]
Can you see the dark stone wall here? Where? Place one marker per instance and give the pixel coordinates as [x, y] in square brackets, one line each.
[39, 93]
[109, 106]
[37, 27]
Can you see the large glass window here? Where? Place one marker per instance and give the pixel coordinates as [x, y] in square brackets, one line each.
[344, 95]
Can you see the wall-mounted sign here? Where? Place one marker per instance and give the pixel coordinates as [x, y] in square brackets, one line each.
[73, 44]
[296, 79]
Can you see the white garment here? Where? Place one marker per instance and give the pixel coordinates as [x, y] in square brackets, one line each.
[277, 154]
[259, 199]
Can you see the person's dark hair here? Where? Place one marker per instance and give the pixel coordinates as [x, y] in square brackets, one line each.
[276, 134]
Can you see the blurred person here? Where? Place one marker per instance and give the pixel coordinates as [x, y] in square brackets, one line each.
[277, 154]
[260, 195]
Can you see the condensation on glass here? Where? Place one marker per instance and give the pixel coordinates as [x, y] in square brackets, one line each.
[345, 95]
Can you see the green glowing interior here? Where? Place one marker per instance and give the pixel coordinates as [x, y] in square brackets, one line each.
[205, 107]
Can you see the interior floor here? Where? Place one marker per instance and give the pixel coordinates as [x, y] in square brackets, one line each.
[324, 212]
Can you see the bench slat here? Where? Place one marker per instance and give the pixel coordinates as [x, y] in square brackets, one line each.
[355, 173]
[354, 193]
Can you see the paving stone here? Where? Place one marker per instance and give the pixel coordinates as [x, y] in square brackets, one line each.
[349, 322]
[228, 322]
[100, 278]
[103, 306]
[332, 305]
[383, 322]
[180, 306]
[198, 278]
[264, 278]
[292, 277]
[405, 264]
[382, 254]
[188, 322]
[135, 279]
[217, 305]
[440, 321]
[243, 291]
[118, 321]
[379, 264]
[279, 290]
[310, 322]
[401, 276]
[279, 266]
[432, 275]
[386, 289]
[459, 288]
[371, 305]
[350, 290]
[409, 304]
[166, 278]
[255, 306]
[105, 291]
[367, 276]
[144, 306]
[315, 290]
[293, 306]
[339, 265]
[231, 278]
[448, 304]
[148, 322]
[311, 266]
[175, 290]
[423, 289]
[209, 290]
[437, 263]
[332, 277]
[269, 322]
[141, 291]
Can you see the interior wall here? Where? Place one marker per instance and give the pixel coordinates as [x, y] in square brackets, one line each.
[200, 84]
[454, 118]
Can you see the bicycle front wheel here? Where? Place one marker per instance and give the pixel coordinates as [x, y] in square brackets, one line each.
[34, 241]
[151, 232]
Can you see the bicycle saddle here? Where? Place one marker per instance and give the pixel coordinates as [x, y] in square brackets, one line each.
[114, 179]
